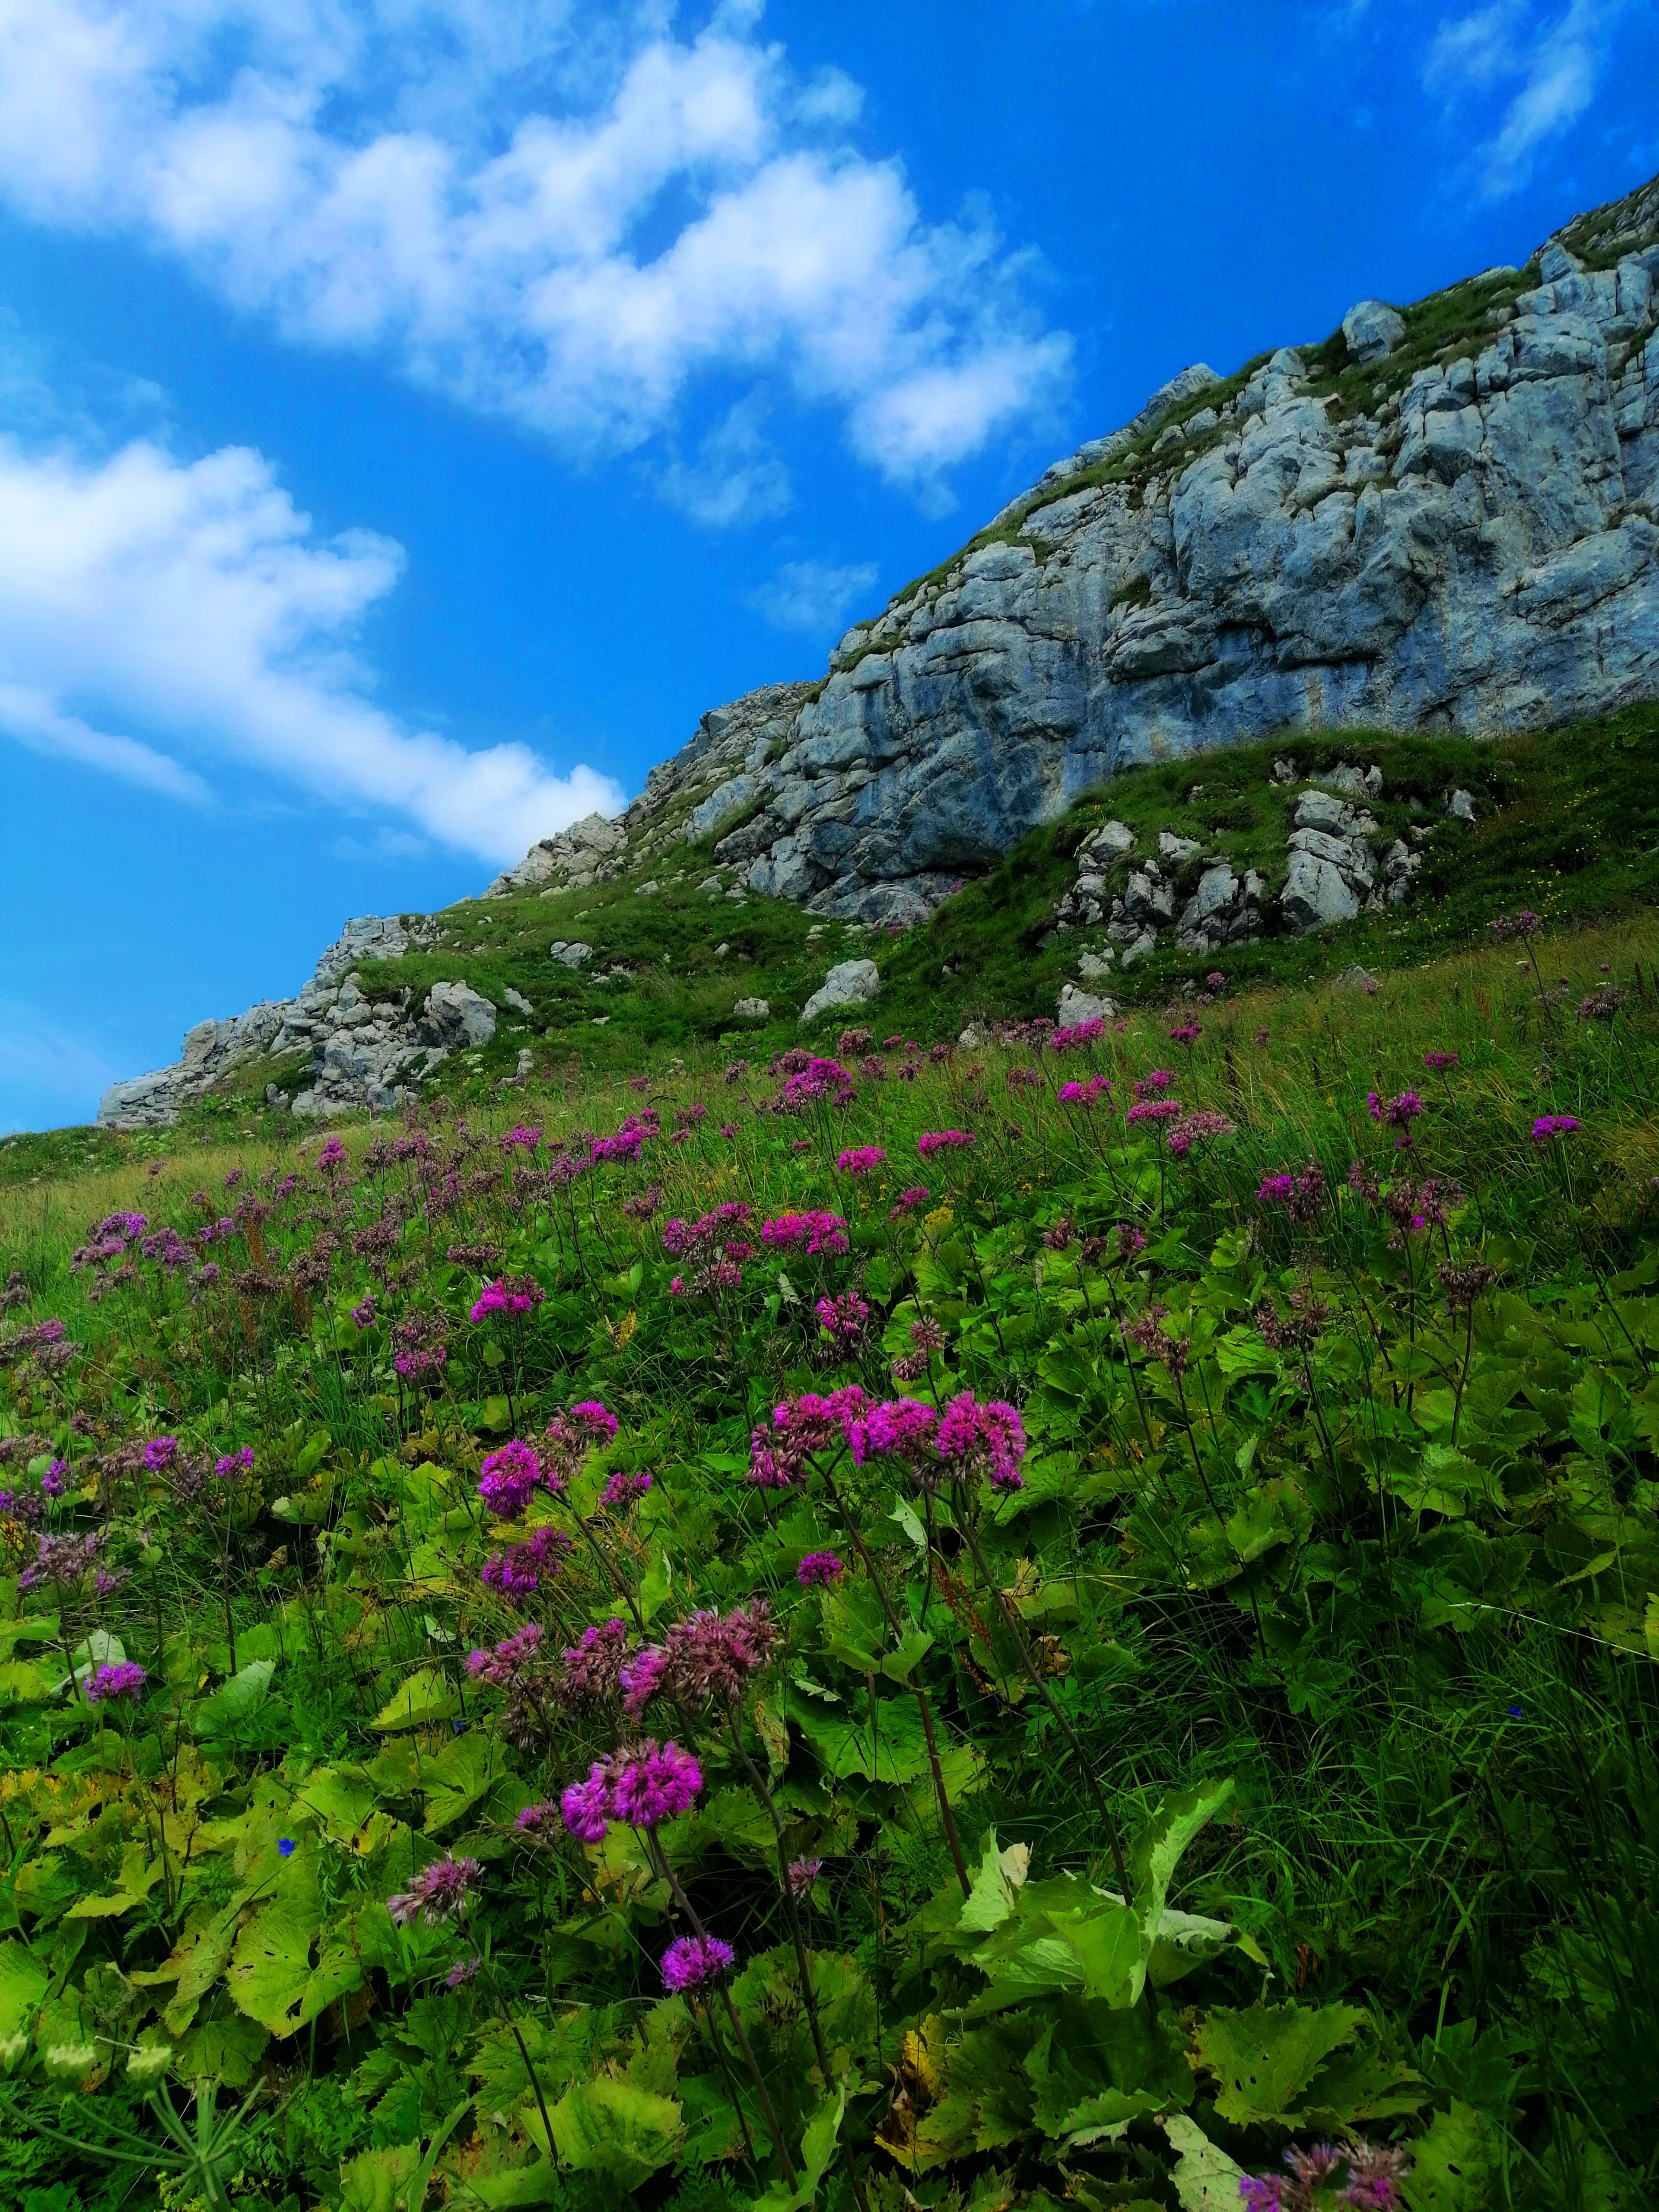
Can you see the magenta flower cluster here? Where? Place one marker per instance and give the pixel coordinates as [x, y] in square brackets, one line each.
[942, 1141]
[820, 1570]
[439, 1892]
[694, 1961]
[511, 1295]
[111, 1683]
[810, 1234]
[861, 1159]
[637, 1788]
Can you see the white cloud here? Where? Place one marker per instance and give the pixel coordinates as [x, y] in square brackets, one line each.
[565, 221]
[738, 475]
[139, 593]
[812, 596]
[1557, 63]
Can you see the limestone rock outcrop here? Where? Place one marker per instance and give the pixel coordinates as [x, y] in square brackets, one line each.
[1465, 542]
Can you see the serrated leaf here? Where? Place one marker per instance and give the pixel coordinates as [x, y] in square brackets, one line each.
[1206, 2178]
[1264, 2058]
[1456, 2166]
[23, 1982]
[607, 2126]
[996, 1885]
[427, 1695]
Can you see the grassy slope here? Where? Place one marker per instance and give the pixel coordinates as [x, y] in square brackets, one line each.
[1568, 822]
[1378, 1753]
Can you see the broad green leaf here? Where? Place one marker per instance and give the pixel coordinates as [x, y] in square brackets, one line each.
[1456, 2166]
[610, 2127]
[380, 2180]
[1264, 2058]
[276, 1979]
[895, 1750]
[817, 2148]
[232, 1701]
[1206, 2178]
[458, 1776]
[23, 1982]
[996, 1885]
[658, 1586]
[139, 1876]
[427, 1696]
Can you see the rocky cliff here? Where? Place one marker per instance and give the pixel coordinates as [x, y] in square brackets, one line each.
[1443, 518]
[1440, 518]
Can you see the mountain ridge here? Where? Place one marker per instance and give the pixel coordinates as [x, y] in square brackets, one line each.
[1443, 519]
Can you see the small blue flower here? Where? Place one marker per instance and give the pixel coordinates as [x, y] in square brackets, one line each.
[285, 1849]
[460, 1726]
[1515, 1712]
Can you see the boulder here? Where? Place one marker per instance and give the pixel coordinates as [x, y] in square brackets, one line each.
[1372, 329]
[752, 1010]
[455, 1017]
[1076, 1005]
[517, 1000]
[850, 984]
[572, 955]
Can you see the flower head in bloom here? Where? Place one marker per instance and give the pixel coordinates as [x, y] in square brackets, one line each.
[909, 1200]
[641, 1787]
[1439, 1061]
[109, 1683]
[363, 1313]
[778, 1455]
[1076, 1033]
[1553, 1125]
[439, 1892]
[861, 1159]
[159, 1452]
[1085, 1094]
[520, 1570]
[590, 1668]
[508, 1478]
[623, 1488]
[808, 1233]
[708, 1657]
[1186, 1032]
[502, 1666]
[803, 1873]
[463, 1972]
[1154, 1109]
[898, 1428]
[694, 1961]
[1149, 1086]
[512, 1295]
[842, 1318]
[942, 1141]
[235, 1465]
[820, 1570]
[286, 1848]
[985, 1439]
[1197, 1129]
[1395, 1113]
[1301, 1195]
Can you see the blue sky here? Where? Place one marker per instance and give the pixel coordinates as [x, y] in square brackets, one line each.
[415, 413]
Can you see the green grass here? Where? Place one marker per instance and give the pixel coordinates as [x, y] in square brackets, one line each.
[1357, 1645]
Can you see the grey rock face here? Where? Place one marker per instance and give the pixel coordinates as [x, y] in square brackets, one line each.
[571, 954]
[1077, 1006]
[587, 852]
[850, 984]
[1372, 329]
[1481, 556]
[212, 1050]
[457, 1018]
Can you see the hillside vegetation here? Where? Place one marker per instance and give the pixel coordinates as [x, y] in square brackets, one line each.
[874, 1625]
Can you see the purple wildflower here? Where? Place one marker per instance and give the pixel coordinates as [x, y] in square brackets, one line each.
[694, 1961]
[438, 1893]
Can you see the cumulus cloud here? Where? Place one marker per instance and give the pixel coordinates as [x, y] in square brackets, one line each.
[565, 222]
[738, 475]
[1556, 62]
[811, 596]
[150, 608]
